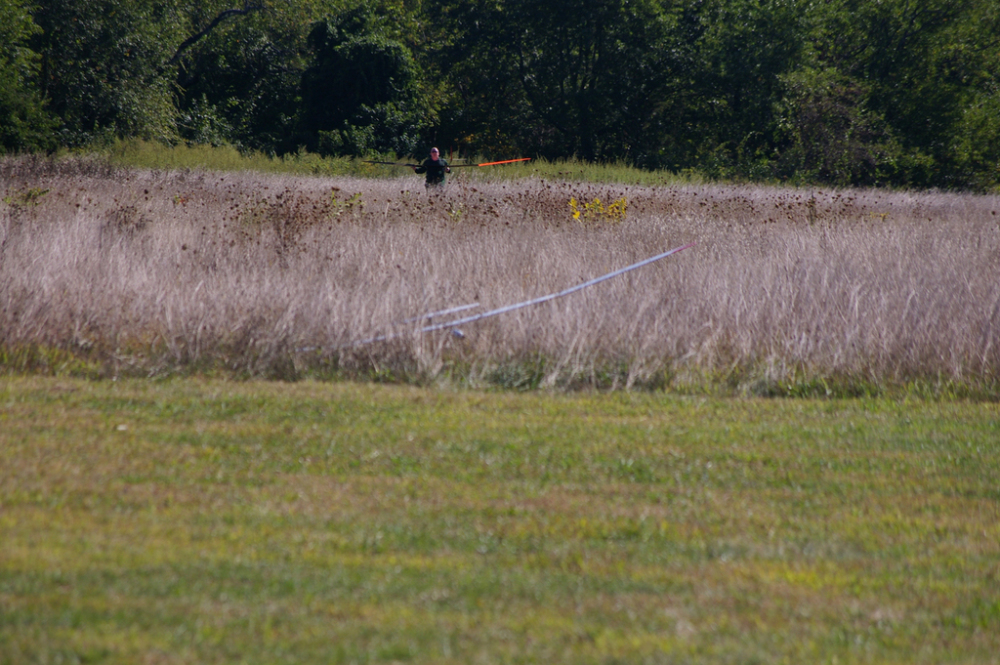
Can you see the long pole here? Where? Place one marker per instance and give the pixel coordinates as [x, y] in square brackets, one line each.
[528, 303]
[456, 166]
[503, 161]
[553, 296]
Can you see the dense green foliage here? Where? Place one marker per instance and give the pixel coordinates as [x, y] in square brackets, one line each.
[362, 91]
[23, 122]
[843, 92]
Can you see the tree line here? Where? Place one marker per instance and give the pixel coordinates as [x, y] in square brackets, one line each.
[842, 92]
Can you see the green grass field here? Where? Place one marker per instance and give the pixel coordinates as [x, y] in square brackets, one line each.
[196, 521]
[152, 155]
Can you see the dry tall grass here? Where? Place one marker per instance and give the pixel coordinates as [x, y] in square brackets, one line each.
[156, 272]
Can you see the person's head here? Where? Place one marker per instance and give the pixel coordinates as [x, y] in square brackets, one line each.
[435, 153]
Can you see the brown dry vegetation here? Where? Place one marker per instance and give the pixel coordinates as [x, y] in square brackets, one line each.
[117, 271]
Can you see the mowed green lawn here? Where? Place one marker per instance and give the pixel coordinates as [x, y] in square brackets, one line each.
[197, 521]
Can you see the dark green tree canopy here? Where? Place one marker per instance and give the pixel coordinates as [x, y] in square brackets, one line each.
[239, 84]
[100, 69]
[846, 92]
[362, 91]
[24, 123]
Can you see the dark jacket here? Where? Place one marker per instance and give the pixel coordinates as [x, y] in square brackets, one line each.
[435, 171]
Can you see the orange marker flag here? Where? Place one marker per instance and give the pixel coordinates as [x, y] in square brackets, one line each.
[506, 161]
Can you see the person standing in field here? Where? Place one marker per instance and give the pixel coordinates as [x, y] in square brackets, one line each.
[436, 169]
